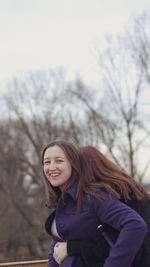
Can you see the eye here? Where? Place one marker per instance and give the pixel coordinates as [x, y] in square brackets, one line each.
[46, 162]
[59, 160]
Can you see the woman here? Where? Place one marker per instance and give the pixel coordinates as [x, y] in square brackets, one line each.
[70, 175]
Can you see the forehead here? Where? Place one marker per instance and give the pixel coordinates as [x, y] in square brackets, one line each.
[54, 151]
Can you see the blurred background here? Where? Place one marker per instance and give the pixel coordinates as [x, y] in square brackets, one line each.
[74, 69]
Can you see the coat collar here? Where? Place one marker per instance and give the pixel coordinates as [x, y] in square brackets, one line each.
[72, 191]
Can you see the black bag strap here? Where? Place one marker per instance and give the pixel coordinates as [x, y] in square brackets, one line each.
[99, 225]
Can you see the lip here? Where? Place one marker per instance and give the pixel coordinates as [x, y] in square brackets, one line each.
[53, 175]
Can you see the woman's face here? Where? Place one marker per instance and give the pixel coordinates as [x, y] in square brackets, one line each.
[57, 167]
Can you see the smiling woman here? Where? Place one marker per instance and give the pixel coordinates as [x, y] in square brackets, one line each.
[57, 167]
[73, 174]
[61, 168]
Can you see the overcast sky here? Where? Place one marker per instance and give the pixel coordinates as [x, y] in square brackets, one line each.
[50, 33]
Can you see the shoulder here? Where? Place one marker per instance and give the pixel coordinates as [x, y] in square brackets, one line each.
[115, 213]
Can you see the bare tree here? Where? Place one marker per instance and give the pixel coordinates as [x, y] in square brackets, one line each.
[124, 87]
[115, 117]
[33, 115]
[139, 42]
[19, 224]
[39, 106]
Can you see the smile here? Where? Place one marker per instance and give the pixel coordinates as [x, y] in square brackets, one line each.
[54, 174]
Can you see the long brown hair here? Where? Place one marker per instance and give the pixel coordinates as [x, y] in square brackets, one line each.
[100, 172]
[72, 155]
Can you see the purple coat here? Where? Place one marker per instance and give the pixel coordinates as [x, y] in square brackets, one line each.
[71, 225]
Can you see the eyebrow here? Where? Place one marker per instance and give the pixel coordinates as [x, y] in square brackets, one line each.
[56, 157]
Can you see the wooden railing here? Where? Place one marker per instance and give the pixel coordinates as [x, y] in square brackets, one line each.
[40, 263]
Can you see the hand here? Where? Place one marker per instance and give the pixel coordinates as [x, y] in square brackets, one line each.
[60, 252]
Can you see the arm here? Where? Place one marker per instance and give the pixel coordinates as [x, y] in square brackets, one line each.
[51, 260]
[91, 251]
[61, 255]
[73, 247]
[131, 226]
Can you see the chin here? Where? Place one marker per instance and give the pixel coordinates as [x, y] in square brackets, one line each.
[56, 184]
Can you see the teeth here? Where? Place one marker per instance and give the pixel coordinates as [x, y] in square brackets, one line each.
[53, 175]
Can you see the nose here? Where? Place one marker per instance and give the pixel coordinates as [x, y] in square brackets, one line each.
[52, 166]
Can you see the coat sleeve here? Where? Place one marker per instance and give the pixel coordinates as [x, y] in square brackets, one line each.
[51, 260]
[130, 224]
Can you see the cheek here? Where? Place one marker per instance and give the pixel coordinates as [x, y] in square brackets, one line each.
[45, 170]
[69, 168]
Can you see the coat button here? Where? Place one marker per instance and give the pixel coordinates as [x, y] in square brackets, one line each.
[61, 225]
